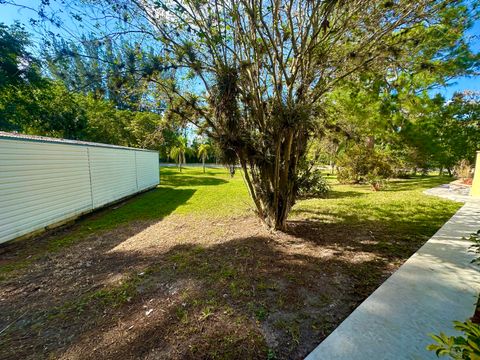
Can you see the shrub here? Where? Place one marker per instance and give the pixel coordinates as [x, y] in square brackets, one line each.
[353, 164]
[463, 170]
[401, 173]
[475, 248]
[347, 175]
[459, 347]
[361, 164]
[311, 183]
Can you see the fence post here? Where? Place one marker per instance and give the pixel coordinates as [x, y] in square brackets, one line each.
[90, 175]
[136, 168]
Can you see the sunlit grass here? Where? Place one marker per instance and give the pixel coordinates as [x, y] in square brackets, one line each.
[402, 206]
[190, 192]
[215, 192]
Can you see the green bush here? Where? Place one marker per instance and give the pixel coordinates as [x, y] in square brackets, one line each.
[360, 164]
[466, 347]
[311, 183]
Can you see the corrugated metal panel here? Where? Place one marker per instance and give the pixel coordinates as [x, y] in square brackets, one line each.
[45, 182]
[113, 174]
[147, 169]
[40, 183]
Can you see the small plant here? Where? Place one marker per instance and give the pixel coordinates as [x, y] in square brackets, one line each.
[271, 354]
[311, 183]
[466, 347]
[206, 313]
[261, 313]
[228, 272]
[475, 238]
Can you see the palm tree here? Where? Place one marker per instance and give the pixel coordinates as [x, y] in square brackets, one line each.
[203, 151]
[178, 152]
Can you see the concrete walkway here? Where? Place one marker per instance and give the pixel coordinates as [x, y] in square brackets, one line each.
[436, 286]
[454, 193]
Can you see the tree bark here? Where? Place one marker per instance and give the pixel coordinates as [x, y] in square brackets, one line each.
[332, 167]
[273, 184]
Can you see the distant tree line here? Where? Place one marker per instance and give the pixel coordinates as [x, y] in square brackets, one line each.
[70, 93]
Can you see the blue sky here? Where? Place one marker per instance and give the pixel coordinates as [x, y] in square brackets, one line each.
[466, 83]
[10, 14]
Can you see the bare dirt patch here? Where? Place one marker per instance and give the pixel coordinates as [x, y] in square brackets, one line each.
[189, 287]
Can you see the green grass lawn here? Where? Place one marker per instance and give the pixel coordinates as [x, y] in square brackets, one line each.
[401, 206]
[220, 284]
[190, 192]
[216, 194]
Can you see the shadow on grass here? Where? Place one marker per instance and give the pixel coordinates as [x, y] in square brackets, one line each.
[152, 205]
[232, 300]
[389, 225]
[247, 297]
[333, 194]
[207, 302]
[388, 231]
[176, 180]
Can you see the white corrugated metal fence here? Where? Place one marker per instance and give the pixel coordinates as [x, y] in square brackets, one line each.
[45, 181]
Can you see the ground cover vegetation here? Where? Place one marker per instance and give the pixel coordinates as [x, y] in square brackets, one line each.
[180, 273]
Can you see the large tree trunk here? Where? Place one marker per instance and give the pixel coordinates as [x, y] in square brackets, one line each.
[273, 184]
[269, 138]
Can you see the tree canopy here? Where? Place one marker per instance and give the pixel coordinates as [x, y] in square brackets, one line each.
[266, 69]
